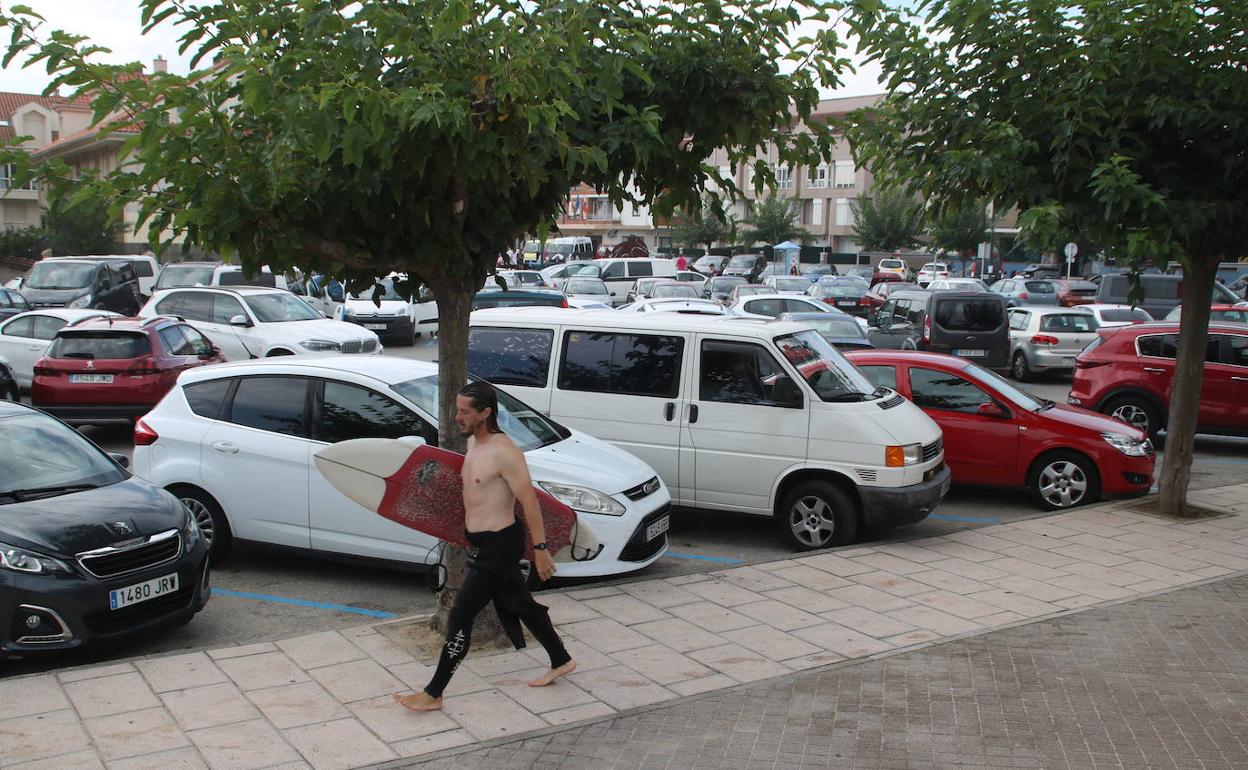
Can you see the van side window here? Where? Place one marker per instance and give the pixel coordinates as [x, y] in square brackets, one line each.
[1159, 345]
[640, 269]
[510, 356]
[931, 389]
[614, 270]
[632, 364]
[880, 376]
[143, 268]
[737, 373]
[914, 312]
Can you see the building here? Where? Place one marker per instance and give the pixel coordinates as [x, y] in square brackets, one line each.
[45, 119]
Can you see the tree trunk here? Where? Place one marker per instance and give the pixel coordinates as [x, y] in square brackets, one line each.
[1189, 369]
[454, 307]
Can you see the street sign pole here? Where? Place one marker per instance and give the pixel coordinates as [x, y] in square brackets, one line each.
[1070, 251]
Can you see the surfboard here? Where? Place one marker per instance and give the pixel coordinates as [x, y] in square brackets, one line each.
[420, 486]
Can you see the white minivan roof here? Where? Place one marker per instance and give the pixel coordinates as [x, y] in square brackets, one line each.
[646, 322]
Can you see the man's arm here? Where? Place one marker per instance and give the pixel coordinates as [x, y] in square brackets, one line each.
[515, 471]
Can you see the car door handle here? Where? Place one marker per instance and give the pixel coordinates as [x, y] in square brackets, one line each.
[1154, 370]
[669, 410]
[693, 413]
[1240, 379]
[225, 447]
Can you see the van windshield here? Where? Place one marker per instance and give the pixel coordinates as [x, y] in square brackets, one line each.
[523, 424]
[824, 369]
[744, 260]
[60, 275]
[388, 292]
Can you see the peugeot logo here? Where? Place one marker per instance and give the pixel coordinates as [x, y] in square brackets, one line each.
[90, 364]
[121, 528]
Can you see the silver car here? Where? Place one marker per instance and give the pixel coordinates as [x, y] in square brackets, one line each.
[1046, 339]
[1026, 291]
[594, 289]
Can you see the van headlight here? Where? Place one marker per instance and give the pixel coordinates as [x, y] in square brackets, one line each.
[80, 302]
[319, 346]
[901, 456]
[1128, 445]
[20, 560]
[584, 499]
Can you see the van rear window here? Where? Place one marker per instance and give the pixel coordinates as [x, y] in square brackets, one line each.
[101, 345]
[510, 356]
[970, 314]
[236, 278]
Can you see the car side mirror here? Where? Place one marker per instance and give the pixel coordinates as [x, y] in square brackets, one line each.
[785, 393]
[991, 409]
[240, 320]
[120, 459]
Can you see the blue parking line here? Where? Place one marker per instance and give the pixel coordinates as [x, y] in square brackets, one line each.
[304, 603]
[970, 519]
[699, 557]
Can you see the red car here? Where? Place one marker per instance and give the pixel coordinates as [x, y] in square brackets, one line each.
[1127, 373]
[99, 370]
[879, 292]
[998, 435]
[1073, 291]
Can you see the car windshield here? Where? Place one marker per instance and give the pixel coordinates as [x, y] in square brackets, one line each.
[559, 248]
[933, 267]
[726, 284]
[41, 457]
[101, 344]
[708, 261]
[1006, 388]
[1072, 323]
[792, 284]
[862, 272]
[60, 275]
[1124, 315]
[891, 264]
[670, 291]
[744, 260]
[817, 268]
[523, 425]
[839, 290]
[583, 268]
[967, 286]
[824, 369]
[175, 277]
[388, 293]
[279, 307]
[585, 286]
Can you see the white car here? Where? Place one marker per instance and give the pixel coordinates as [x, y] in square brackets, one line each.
[695, 306]
[519, 279]
[591, 289]
[587, 304]
[931, 271]
[235, 443]
[25, 337]
[15, 283]
[392, 316]
[773, 305]
[693, 278]
[895, 266]
[254, 322]
[957, 284]
[787, 284]
[1109, 315]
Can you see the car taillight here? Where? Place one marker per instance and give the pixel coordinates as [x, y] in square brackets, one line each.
[1044, 339]
[927, 328]
[830, 300]
[44, 371]
[143, 434]
[864, 302]
[1082, 363]
[143, 367]
[564, 303]
[1022, 295]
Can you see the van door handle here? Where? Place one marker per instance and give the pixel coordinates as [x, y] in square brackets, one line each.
[693, 413]
[1154, 370]
[225, 447]
[669, 411]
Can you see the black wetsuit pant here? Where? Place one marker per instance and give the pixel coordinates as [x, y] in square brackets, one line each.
[494, 574]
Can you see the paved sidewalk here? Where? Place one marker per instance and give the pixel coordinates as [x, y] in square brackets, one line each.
[323, 700]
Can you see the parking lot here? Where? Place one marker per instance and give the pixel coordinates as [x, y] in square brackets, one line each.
[264, 594]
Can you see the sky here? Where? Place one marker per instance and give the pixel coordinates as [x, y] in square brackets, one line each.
[115, 24]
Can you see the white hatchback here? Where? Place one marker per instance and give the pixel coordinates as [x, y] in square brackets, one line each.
[255, 322]
[235, 443]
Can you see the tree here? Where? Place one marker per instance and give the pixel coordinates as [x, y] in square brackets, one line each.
[774, 220]
[703, 227]
[1120, 120]
[960, 229]
[425, 136]
[890, 221]
[81, 224]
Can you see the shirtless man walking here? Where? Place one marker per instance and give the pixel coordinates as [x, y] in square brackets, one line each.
[495, 475]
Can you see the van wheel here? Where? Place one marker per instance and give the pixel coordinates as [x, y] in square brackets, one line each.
[1060, 480]
[1019, 369]
[1136, 411]
[210, 518]
[816, 514]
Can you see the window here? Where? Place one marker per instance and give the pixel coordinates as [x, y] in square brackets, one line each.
[843, 215]
[6, 179]
[6, 300]
[1074, 323]
[784, 177]
[1228, 349]
[1018, 320]
[1159, 345]
[510, 356]
[350, 411]
[794, 305]
[176, 342]
[238, 278]
[225, 307]
[817, 177]
[640, 269]
[207, 398]
[274, 404]
[969, 315]
[200, 346]
[881, 376]
[739, 373]
[100, 345]
[915, 308]
[636, 364]
[816, 211]
[884, 316]
[614, 270]
[22, 327]
[1041, 287]
[191, 305]
[767, 307]
[949, 392]
[46, 327]
[845, 173]
[143, 268]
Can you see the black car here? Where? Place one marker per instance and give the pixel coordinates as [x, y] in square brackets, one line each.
[842, 331]
[88, 553]
[971, 325]
[12, 303]
[85, 283]
[719, 287]
[8, 383]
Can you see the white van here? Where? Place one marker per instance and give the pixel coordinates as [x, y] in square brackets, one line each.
[761, 417]
[621, 273]
[557, 250]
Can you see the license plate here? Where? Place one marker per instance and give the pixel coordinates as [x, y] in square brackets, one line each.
[847, 303]
[141, 592]
[1068, 360]
[658, 528]
[375, 326]
[971, 353]
[89, 378]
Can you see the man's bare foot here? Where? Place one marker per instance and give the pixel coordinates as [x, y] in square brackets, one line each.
[553, 674]
[421, 701]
